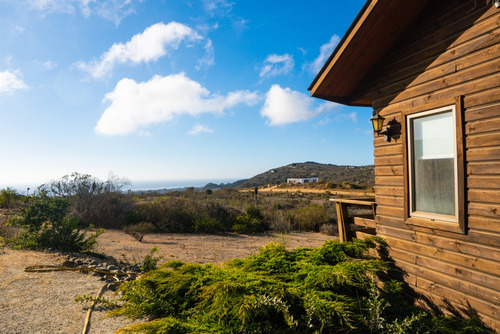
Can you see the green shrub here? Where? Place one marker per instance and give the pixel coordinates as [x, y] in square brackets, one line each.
[8, 198]
[251, 222]
[330, 289]
[309, 218]
[225, 216]
[275, 291]
[150, 261]
[46, 226]
[207, 224]
[167, 214]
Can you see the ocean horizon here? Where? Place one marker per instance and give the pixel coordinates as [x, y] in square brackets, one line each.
[173, 184]
[144, 185]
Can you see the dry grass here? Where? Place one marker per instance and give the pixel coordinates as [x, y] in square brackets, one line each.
[333, 192]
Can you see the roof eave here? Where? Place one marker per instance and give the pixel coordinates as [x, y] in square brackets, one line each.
[368, 39]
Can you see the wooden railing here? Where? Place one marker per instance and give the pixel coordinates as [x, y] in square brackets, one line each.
[358, 226]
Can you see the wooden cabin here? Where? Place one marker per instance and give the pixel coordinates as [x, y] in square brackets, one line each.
[431, 70]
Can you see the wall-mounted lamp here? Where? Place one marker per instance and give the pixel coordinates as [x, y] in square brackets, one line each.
[392, 131]
[377, 122]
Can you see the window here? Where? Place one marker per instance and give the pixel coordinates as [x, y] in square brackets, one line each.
[434, 168]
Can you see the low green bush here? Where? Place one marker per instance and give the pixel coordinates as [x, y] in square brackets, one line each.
[330, 289]
[46, 225]
[207, 224]
[9, 197]
[150, 261]
[251, 222]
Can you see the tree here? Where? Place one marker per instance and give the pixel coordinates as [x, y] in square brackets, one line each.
[93, 202]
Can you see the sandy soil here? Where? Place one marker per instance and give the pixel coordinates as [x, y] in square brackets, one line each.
[44, 302]
[343, 192]
[201, 248]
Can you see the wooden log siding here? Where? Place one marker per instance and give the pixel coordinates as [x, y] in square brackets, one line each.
[445, 54]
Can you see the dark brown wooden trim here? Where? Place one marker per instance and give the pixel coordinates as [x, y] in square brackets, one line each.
[461, 164]
[433, 224]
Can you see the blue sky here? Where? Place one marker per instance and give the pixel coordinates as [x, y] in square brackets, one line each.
[170, 90]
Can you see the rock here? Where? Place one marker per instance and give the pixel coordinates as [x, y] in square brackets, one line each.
[112, 267]
[69, 264]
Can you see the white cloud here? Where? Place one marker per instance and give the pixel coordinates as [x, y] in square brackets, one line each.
[324, 52]
[50, 6]
[147, 46]
[275, 65]
[198, 128]
[284, 106]
[218, 7]
[353, 116]
[136, 105]
[209, 58]
[48, 65]
[10, 82]
[112, 10]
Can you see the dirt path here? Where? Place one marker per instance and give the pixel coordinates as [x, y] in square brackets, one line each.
[44, 302]
[332, 192]
[200, 248]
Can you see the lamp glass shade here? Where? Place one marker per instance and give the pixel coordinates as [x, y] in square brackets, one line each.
[377, 122]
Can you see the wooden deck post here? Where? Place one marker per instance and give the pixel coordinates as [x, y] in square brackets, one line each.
[343, 221]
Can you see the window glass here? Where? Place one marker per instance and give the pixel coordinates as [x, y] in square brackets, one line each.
[433, 163]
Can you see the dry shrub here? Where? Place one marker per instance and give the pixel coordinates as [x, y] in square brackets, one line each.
[138, 231]
[329, 229]
[93, 202]
[311, 217]
[168, 214]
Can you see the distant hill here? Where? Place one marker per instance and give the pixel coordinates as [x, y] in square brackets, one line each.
[363, 175]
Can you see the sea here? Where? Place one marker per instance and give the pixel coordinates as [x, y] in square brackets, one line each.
[173, 184]
[29, 188]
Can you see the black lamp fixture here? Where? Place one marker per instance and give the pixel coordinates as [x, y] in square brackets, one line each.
[377, 122]
[392, 131]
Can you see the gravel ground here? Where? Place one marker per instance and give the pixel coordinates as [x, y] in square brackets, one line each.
[44, 302]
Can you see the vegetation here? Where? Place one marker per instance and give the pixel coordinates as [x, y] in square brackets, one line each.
[46, 225]
[139, 230]
[9, 198]
[150, 261]
[104, 204]
[93, 202]
[330, 289]
[331, 175]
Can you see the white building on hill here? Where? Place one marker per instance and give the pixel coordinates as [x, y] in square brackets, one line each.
[302, 180]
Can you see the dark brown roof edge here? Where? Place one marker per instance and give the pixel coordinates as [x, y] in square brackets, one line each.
[339, 45]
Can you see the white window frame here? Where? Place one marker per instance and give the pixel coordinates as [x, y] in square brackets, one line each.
[432, 221]
[423, 214]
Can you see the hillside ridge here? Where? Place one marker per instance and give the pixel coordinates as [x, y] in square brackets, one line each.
[362, 175]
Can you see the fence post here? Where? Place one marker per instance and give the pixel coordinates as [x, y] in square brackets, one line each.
[343, 221]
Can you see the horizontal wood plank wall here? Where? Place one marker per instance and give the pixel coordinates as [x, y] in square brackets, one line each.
[452, 50]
